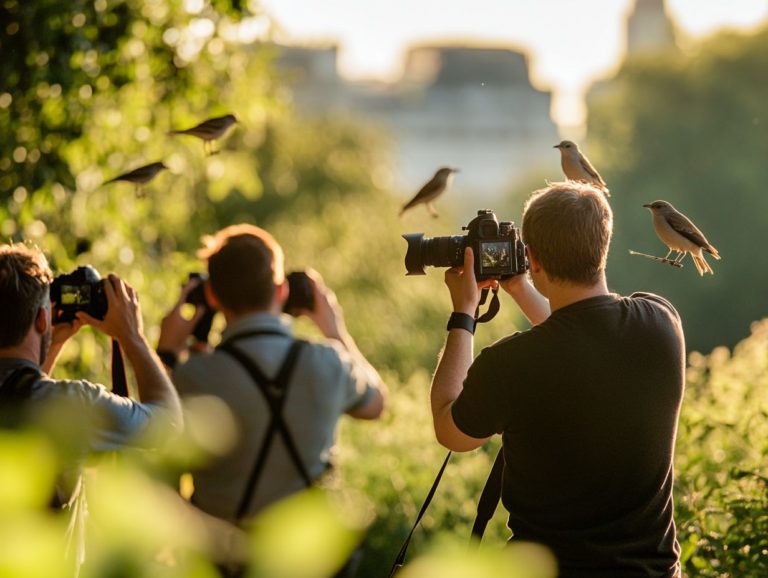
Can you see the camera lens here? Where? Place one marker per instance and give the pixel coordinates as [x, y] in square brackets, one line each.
[434, 252]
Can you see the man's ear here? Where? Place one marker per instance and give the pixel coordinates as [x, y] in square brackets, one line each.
[533, 263]
[210, 296]
[42, 320]
[281, 292]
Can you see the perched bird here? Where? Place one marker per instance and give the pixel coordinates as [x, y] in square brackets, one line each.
[678, 233]
[210, 130]
[577, 167]
[140, 176]
[433, 189]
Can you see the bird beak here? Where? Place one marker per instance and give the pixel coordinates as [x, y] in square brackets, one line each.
[647, 206]
[557, 146]
[455, 170]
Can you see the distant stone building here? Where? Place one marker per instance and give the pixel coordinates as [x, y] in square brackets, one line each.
[466, 107]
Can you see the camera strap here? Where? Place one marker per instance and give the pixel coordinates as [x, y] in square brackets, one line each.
[493, 307]
[119, 381]
[486, 505]
[400, 560]
[490, 497]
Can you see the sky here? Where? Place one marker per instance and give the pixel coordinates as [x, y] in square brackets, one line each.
[570, 42]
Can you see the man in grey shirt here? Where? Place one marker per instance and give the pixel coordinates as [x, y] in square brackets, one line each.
[29, 345]
[324, 379]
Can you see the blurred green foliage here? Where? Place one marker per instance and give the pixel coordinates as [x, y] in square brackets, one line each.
[691, 129]
[722, 479]
[91, 89]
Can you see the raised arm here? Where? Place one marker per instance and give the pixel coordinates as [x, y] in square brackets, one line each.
[123, 322]
[454, 363]
[329, 318]
[533, 304]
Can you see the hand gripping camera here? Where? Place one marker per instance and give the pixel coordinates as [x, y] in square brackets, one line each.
[81, 290]
[498, 248]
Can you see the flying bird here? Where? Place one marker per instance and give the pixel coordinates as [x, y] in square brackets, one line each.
[577, 167]
[435, 187]
[678, 233]
[140, 176]
[210, 130]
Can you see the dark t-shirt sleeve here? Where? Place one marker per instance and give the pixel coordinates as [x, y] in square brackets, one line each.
[480, 411]
[653, 298]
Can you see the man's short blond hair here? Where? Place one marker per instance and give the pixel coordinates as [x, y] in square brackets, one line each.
[245, 265]
[568, 228]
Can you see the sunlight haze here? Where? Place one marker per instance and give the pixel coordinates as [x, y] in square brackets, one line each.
[569, 43]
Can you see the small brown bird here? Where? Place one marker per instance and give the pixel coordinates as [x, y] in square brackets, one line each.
[577, 167]
[210, 130]
[140, 176]
[679, 234]
[433, 189]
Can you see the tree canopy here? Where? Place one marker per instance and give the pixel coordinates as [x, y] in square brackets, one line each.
[691, 130]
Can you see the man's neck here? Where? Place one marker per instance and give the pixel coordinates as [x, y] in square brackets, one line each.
[232, 316]
[564, 294]
[25, 350]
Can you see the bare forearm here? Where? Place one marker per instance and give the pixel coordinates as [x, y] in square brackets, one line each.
[153, 383]
[375, 409]
[533, 304]
[447, 384]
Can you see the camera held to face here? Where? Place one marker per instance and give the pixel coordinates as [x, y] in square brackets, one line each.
[81, 290]
[301, 293]
[498, 249]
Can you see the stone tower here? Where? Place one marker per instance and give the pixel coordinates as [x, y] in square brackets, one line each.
[649, 28]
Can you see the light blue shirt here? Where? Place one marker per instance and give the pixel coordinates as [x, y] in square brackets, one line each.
[326, 382]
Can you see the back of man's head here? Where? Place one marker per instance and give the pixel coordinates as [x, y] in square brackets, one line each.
[568, 228]
[24, 281]
[245, 265]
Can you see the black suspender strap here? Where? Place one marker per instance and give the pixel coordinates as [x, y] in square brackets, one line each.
[400, 560]
[275, 392]
[489, 498]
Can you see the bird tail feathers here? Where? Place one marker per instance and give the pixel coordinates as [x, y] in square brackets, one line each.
[701, 265]
[712, 251]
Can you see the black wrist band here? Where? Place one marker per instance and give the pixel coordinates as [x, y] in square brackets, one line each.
[169, 358]
[461, 321]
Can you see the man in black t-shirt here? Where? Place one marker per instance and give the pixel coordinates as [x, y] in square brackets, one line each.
[587, 400]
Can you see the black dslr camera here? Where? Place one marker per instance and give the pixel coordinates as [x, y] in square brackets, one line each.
[81, 290]
[301, 293]
[498, 248]
[197, 297]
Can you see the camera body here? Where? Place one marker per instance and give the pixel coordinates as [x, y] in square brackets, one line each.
[81, 290]
[497, 246]
[197, 295]
[301, 293]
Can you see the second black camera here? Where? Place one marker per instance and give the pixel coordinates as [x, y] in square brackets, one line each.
[498, 248]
